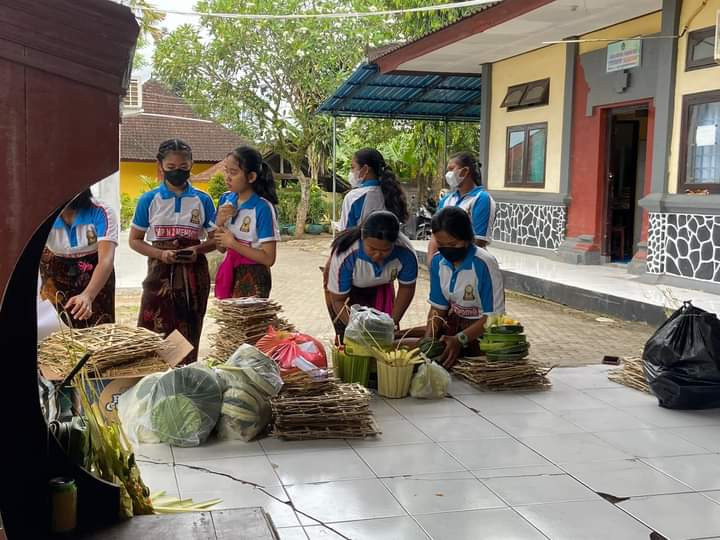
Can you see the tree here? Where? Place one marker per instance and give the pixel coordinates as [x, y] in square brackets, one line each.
[267, 75]
[148, 19]
[266, 78]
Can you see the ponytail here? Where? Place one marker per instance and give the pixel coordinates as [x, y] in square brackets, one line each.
[468, 159]
[250, 160]
[393, 194]
[345, 240]
[265, 184]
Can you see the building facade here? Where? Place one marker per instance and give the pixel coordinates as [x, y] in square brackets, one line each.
[600, 130]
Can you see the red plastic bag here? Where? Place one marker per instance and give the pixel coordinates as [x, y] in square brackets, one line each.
[285, 347]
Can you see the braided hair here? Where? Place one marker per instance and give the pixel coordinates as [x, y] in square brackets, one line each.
[468, 159]
[173, 145]
[393, 194]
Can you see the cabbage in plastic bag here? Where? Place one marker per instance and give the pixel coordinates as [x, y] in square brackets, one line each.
[369, 328]
[430, 382]
[250, 379]
[178, 407]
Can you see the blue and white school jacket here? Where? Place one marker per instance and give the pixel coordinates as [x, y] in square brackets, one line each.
[164, 215]
[98, 223]
[473, 289]
[354, 268]
[361, 202]
[255, 222]
[479, 204]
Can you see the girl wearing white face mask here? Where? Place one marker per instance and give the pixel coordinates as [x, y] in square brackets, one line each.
[464, 180]
[374, 188]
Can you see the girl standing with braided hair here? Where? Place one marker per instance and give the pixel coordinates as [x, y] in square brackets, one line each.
[173, 227]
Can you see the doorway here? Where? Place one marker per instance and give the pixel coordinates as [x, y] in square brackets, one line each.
[625, 178]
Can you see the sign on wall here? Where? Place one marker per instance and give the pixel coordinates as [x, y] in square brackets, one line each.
[623, 55]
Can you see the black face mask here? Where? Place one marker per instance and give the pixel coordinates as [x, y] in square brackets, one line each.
[177, 177]
[453, 254]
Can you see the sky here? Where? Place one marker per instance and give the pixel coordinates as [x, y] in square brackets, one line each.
[170, 23]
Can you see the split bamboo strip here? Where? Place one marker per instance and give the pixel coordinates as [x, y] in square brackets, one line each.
[631, 374]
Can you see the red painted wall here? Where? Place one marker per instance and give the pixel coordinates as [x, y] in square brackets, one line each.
[586, 163]
[586, 215]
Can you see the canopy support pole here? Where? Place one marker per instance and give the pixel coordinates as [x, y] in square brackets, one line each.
[334, 174]
[446, 143]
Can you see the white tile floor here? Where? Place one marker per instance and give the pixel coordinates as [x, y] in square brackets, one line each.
[479, 465]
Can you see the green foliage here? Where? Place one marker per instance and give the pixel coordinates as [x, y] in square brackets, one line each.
[148, 183]
[319, 209]
[266, 78]
[216, 187]
[127, 210]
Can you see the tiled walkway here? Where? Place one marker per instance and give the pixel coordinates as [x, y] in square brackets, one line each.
[481, 465]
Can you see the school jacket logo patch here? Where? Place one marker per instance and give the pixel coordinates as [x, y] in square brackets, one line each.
[469, 294]
[245, 227]
[195, 217]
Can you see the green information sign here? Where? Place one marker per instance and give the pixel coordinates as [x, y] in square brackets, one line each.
[624, 55]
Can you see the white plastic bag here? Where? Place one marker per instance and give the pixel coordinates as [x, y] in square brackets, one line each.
[370, 328]
[430, 382]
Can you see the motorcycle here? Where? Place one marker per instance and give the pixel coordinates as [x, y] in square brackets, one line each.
[423, 217]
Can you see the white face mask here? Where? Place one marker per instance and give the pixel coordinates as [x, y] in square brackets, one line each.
[354, 180]
[453, 179]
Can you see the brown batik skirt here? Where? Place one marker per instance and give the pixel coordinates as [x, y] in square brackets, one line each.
[175, 296]
[252, 280]
[65, 277]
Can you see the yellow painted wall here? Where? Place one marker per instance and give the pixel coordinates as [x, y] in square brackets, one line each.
[642, 26]
[690, 82]
[539, 64]
[131, 171]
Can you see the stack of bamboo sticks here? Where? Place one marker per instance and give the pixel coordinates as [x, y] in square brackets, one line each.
[115, 350]
[499, 375]
[244, 320]
[327, 409]
[631, 374]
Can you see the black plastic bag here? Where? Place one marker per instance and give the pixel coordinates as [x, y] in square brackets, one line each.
[682, 360]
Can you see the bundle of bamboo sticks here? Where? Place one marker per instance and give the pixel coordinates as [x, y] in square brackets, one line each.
[498, 375]
[631, 374]
[244, 320]
[115, 349]
[327, 409]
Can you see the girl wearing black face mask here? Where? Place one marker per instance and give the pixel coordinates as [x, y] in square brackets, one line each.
[466, 286]
[173, 226]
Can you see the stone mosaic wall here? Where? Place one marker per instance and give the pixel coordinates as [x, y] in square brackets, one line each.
[684, 245]
[532, 225]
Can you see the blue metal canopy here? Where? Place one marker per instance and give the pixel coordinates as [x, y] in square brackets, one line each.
[367, 93]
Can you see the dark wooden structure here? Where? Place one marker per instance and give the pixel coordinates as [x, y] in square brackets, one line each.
[64, 67]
